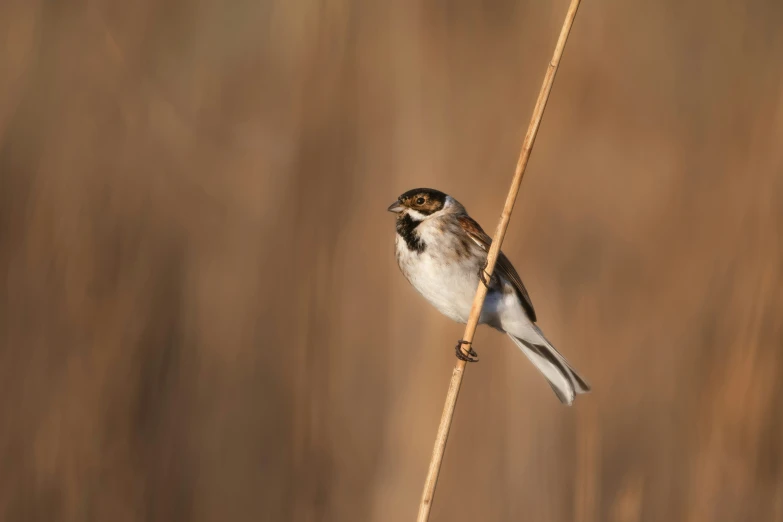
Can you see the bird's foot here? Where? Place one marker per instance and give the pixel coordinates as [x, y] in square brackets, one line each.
[470, 356]
[483, 276]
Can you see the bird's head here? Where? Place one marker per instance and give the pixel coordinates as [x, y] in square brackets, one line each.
[420, 204]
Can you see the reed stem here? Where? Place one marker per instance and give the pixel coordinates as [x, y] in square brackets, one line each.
[481, 292]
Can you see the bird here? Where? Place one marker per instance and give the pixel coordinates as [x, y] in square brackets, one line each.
[442, 252]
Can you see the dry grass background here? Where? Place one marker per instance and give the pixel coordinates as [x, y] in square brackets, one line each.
[201, 318]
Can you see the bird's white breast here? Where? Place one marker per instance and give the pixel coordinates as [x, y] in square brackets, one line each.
[446, 272]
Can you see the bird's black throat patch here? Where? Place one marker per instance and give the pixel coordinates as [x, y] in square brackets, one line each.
[405, 228]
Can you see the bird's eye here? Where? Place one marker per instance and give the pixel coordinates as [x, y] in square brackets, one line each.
[420, 201]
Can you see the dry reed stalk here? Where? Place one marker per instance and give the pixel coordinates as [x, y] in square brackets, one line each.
[481, 292]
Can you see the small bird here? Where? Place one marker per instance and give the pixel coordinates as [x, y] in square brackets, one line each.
[442, 252]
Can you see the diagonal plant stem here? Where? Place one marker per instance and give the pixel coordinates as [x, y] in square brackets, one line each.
[481, 292]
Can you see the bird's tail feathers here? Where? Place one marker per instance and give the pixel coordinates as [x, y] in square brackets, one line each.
[563, 379]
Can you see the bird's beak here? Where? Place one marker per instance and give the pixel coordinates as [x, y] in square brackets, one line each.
[396, 207]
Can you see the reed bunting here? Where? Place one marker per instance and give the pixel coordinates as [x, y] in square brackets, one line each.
[442, 252]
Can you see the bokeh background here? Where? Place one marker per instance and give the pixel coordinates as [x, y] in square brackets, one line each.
[202, 319]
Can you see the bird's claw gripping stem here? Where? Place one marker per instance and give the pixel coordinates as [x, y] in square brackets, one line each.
[470, 356]
[483, 276]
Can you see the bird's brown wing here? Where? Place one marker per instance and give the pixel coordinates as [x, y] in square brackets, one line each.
[503, 265]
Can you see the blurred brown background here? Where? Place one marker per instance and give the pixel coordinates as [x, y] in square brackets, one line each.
[202, 319]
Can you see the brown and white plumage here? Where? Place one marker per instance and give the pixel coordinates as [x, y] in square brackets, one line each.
[441, 251]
